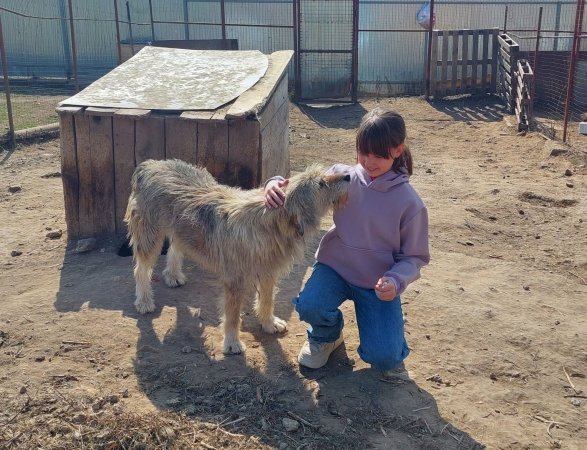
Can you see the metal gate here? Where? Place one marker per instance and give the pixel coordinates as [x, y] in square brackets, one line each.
[326, 45]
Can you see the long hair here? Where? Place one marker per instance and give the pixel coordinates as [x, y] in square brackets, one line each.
[380, 131]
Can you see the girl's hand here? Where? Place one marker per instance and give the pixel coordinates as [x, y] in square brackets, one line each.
[274, 195]
[385, 289]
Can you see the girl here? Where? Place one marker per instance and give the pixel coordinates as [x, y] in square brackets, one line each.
[376, 247]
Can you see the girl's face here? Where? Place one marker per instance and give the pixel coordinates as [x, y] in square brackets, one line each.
[376, 165]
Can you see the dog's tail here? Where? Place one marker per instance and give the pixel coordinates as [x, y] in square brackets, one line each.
[145, 240]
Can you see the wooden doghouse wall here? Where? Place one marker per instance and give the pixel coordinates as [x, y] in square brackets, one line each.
[101, 148]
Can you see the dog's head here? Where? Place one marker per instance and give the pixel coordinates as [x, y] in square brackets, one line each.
[311, 194]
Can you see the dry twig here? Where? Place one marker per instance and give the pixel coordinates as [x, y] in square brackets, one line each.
[302, 420]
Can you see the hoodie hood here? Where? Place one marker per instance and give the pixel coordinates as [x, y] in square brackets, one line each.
[383, 183]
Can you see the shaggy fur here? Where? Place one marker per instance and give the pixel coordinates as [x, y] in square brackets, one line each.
[226, 230]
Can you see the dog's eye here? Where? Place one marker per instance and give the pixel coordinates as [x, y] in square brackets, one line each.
[322, 183]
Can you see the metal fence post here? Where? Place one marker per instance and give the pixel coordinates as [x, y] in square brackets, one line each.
[116, 21]
[536, 53]
[132, 44]
[429, 56]
[152, 23]
[73, 47]
[574, 54]
[7, 87]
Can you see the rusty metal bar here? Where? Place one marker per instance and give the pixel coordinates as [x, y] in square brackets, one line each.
[298, 63]
[429, 56]
[73, 46]
[186, 26]
[7, 87]
[536, 54]
[223, 19]
[118, 44]
[355, 54]
[505, 20]
[151, 17]
[132, 44]
[574, 54]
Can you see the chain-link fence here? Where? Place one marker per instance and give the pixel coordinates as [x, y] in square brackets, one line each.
[54, 47]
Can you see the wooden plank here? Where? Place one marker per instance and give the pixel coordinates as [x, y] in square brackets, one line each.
[69, 109]
[196, 115]
[465, 61]
[444, 68]
[507, 43]
[102, 157]
[252, 101]
[84, 168]
[244, 153]
[149, 138]
[275, 145]
[474, 61]
[433, 63]
[181, 139]
[277, 99]
[94, 111]
[69, 175]
[133, 113]
[454, 61]
[505, 56]
[507, 67]
[485, 61]
[123, 130]
[212, 149]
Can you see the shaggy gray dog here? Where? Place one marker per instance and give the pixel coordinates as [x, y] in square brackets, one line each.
[226, 230]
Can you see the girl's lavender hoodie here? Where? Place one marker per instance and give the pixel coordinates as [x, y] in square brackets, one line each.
[382, 231]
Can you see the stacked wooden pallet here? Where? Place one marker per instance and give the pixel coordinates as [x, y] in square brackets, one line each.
[523, 106]
[508, 59]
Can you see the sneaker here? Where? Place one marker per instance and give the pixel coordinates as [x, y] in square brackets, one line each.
[315, 354]
[398, 372]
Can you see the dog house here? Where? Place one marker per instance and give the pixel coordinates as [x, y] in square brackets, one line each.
[224, 110]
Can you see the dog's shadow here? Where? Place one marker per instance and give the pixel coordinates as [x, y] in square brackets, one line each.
[180, 367]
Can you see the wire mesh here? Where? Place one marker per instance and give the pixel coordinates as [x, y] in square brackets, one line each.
[392, 47]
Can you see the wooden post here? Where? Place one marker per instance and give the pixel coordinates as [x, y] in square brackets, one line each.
[69, 168]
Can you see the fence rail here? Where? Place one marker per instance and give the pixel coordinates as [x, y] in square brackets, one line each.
[52, 45]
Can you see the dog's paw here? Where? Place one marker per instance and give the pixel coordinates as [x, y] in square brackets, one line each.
[173, 280]
[233, 346]
[274, 325]
[145, 306]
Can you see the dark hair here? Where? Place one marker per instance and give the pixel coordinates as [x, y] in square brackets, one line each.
[380, 131]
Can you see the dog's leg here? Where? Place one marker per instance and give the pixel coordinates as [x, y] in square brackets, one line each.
[264, 307]
[172, 274]
[233, 299]
[143, 271]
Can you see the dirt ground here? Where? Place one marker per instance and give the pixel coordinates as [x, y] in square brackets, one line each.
[497, 325]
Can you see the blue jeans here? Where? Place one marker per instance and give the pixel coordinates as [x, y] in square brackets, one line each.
[381, 323]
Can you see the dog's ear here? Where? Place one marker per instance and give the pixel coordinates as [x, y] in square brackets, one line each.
[296, 223]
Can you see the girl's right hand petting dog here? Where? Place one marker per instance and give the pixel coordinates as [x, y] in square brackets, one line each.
[274, 195]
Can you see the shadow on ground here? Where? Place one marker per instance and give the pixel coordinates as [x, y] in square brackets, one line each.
[345, 116]
[180, 368]
[486, 108]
